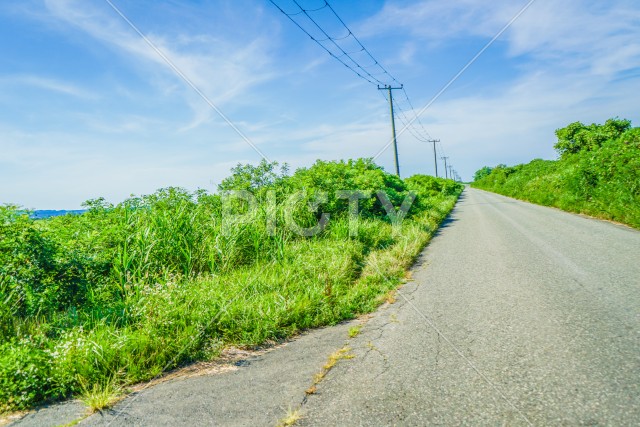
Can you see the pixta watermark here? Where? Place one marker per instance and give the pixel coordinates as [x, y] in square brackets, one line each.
[242, 206]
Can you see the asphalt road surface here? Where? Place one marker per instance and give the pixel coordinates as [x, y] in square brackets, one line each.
[519, 315]
[516, 315]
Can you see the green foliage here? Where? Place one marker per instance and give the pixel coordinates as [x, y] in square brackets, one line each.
[39, 275]
[481, 173]
[249, 177]
[597, 174]
[361, 174]
[577, 137]
[123, 292]
[427, 186]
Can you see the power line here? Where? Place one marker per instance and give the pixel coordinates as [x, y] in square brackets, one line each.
[406, 95]
[335, 43]
[415, 131]
[413, 110]
[403, 118]
[384, 71]
[290, 16]
[427, 139]
[308, 10]
[333, 46]
[401, 115]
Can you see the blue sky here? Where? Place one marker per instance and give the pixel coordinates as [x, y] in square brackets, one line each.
[88, 109]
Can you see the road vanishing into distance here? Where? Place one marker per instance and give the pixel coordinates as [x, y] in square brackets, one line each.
[516, 314]
[520, 315]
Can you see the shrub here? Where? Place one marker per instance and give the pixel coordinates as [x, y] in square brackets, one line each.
[122, 292]
[598, 173]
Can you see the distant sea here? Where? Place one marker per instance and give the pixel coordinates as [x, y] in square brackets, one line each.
[42, 214]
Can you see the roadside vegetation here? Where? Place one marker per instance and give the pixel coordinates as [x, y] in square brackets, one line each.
[597, 173]
[92, 303]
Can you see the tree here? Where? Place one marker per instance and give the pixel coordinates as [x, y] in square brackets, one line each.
[481, 173]
[249, 177]
[578, 137]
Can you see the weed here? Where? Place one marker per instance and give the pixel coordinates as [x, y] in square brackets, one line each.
[75, 422]
[333, 358]
[163, 280]
[390, 297]
[343, 353]
[354, 331]
[102, 395]
[292, 417]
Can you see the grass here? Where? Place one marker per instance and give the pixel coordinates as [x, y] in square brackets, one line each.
[292, 417]
[74, 422]
[333, 358]
[354, 331]
[162, 281]
[343, 353]
[600, 178]
[100, 396]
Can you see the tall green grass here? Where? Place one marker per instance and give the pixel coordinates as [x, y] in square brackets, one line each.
[122, 293]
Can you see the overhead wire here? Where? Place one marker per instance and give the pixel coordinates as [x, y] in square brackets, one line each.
[319, 42]
[413, 110]
[366, 72]
[412, 130]
[335, 43]
[384, 71]
[400, 114]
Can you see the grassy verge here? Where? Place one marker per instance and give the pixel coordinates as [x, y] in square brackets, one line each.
[117, 296]
[598, 173]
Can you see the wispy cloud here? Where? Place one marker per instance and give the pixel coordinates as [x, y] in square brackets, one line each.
[517, 124]
[48, 84]
[48, 170]
[569, 60]
[220, 69]
[604, 37]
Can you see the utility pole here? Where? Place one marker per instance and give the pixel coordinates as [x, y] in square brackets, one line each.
[446, 170]
[451, 171]
[435, 161]
[393, 124]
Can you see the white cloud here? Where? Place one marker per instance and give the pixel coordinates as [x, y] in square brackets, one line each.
[220, 69]
[48, 84]
[47, 170]
[604, 37]
[569, 60]
[518, 124]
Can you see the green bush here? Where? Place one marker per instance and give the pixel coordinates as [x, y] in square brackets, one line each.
[361, 175]
[123, 292]
[597, 174]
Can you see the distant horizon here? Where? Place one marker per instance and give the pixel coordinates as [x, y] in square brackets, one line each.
[48, 213]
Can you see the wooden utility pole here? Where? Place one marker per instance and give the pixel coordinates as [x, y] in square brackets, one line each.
[446, 170]
[435, 156]
[393, 125]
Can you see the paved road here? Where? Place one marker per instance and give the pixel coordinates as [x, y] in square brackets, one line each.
[516, 315]
[519, 315]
